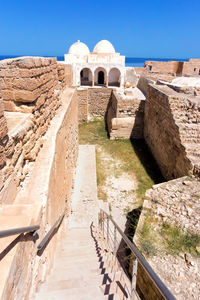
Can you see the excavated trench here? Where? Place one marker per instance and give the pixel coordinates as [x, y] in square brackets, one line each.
[125, 170]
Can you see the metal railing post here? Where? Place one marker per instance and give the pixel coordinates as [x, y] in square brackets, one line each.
[108, 231]
[134, 279]
[103, 222]
[162, 288]
[115, 240]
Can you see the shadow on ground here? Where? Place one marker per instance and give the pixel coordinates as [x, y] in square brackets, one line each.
[147, 160]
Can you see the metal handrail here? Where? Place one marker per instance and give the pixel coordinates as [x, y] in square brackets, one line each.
[154, 277]
[49, 233]
[14, 231]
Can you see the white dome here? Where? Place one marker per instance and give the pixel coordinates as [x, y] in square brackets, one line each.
[104, 46]
[79, 48]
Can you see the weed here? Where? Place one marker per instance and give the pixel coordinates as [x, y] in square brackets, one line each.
[178, 241]
[147, 238]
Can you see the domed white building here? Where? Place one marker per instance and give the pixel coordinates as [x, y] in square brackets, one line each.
[102, 67]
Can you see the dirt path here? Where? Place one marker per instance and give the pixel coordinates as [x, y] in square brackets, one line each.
[118, 187]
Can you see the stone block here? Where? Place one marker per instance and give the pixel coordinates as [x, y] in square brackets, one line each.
[3, 127]
[25, 96]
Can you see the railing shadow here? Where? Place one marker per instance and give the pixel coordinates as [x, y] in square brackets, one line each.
[20, 238]
[106, 280]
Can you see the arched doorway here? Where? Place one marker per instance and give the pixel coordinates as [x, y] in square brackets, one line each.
[100, 76]
[86, 77]
[114, 77]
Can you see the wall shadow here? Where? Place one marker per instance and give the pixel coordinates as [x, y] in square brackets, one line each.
[123, 251]
[147, 160]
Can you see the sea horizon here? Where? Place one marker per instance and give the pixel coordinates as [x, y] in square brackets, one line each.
[129, 61]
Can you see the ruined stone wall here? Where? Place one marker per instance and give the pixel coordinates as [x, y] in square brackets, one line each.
[45, 195]
[3, 138]
[29, 89]
[27, 83]
[189, 68]
[143, 84]
[139, 70]
[98, 99]
[172, 130]
[125, 117]
[174, 203]
[192, 67]
[64, 74]
[63, 167]
[82, 95]
[92, 102]
[38, 150]
[162, 66]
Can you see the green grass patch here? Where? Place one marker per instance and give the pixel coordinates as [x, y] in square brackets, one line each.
[178, 241]
[147, 238]
[166, 238]
[134, 156]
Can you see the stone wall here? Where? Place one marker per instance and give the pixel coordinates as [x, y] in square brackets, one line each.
[82, 95]
[98, 99]
[64, 74]
[45, 194]
[192, 67]
[29, 88]
[125, 117]
[3, 139]
[162, 66]
[174, 203]
[38, 151]
[92, 102]
[27, 83]
[139, 70]
[143, 84]
[189, 68]
[172, 130]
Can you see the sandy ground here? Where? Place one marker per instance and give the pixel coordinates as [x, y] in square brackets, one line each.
[186, 81]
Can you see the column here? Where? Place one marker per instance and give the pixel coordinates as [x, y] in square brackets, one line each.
[106, 80]
[92, 79]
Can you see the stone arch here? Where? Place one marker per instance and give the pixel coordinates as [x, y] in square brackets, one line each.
[86, 77]
[100, 76]
[114, 77]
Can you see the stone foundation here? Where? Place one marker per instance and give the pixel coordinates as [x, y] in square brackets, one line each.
[125, 117]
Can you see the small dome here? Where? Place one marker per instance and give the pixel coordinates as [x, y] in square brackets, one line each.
[79, 48]
[104, 46]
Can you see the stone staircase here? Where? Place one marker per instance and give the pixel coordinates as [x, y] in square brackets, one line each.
[84, 267]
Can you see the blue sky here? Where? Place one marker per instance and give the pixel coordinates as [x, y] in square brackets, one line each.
[157, 28]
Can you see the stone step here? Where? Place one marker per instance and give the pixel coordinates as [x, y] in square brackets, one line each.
[70, 264]
[116, 288]
[82, 293]
[58, 281]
